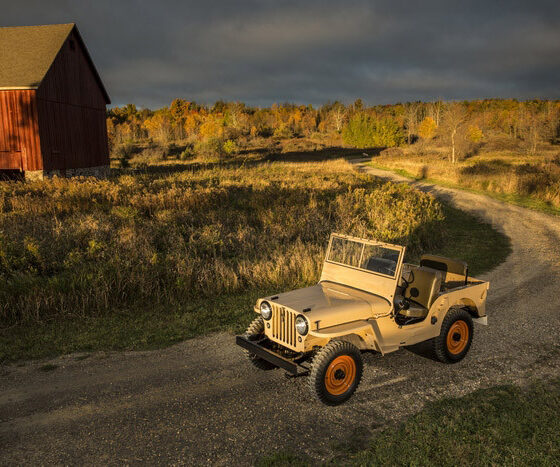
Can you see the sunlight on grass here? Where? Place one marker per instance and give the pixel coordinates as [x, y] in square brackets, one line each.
[143, 261]
[532, 182]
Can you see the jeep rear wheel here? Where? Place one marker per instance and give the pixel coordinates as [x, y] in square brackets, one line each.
[256, 330]
[336, 372]
[455, 337]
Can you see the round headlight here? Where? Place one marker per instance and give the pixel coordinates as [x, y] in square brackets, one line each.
[266, 311]
[301, 325]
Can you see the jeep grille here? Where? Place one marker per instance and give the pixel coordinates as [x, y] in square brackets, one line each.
[283, 325]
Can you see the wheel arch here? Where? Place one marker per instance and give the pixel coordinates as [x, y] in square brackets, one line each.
[354, 339]
[469, 305]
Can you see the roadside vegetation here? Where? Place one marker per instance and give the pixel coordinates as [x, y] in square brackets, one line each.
[503, 147]
[529, 181]
[503, 425]
[145, 258]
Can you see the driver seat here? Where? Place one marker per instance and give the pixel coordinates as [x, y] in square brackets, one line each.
[422, 291]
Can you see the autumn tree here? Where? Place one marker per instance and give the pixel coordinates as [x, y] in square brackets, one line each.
[363, 131]
[213, 127]
[427, 129]
[159, 125]
[179, 111]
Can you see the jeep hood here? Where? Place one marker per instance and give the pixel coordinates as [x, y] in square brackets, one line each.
[330, 304]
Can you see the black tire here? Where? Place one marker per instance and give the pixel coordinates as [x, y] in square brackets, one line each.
[256, 328]
[334, 382]
[455, 337]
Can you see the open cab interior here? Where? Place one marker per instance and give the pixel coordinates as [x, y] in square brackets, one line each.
[422, 284]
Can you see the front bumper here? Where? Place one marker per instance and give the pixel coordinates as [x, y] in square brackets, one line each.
[270, 356]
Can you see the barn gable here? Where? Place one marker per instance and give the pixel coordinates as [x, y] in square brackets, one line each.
[28, 53]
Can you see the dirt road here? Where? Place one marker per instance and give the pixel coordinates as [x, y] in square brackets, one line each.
[200, 402]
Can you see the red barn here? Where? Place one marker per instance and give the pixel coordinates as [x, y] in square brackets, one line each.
[52, 104]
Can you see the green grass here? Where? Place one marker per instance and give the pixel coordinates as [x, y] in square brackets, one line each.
[472, 240]
[528, 202]
[128, 329]
[464, 237]
[282, 458]
[496, 426]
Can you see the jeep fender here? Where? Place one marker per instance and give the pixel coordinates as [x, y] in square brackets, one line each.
[455, 299]
[359, 333]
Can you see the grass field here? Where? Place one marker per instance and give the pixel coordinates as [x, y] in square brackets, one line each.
[503, 425]
[528, 181]
[147, 259]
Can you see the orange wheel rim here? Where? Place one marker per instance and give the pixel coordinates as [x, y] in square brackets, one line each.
[457, 337]
[340, 375]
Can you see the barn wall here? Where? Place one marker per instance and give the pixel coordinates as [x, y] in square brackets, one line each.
[72, 116]
[19, 131]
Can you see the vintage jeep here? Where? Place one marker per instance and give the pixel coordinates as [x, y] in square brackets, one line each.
[367, 299]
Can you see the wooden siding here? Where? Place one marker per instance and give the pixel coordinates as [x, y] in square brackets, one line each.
[19, 131]
[72, 116]
[70, 79]
[72, 137]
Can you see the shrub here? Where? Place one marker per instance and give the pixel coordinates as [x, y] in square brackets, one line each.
[230, 147]
[187, 153]
[364, 131]
[124, 153]
[210, 148]
[283, 131]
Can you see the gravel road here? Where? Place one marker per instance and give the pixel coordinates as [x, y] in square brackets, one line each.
[200, 402]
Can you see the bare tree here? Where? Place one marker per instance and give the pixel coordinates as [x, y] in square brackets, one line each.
[436, 110]
[410, 119]
[339, 116]
[536, 127]
[453, 121]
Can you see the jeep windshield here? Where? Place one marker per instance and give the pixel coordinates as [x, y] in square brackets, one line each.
[367, 256]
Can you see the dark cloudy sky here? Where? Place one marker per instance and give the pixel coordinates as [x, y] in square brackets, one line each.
[266, 51]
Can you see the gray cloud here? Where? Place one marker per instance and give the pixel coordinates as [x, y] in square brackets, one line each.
[268, 51]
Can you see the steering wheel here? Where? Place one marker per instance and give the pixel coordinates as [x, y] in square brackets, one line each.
[404, 304]
[408, 282]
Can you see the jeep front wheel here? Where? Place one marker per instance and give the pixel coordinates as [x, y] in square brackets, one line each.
[336, 372]
[455, 337]
[256, 330]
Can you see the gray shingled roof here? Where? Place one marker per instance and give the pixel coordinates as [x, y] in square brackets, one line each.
[27, 53]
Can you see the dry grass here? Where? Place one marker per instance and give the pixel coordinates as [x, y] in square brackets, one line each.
[85, 247]
[499, 172]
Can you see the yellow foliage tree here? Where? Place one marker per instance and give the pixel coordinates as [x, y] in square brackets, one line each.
[192, 122]
[159, 125]
[475, 134]
[213, 127]
[427, 128]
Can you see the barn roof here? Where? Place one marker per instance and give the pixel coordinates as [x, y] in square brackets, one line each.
[28, 52]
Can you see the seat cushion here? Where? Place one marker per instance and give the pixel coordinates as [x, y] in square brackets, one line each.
[414, 311]
[424, 287]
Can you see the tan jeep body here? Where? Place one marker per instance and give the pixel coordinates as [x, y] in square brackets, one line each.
[367, 299]
[359, 305]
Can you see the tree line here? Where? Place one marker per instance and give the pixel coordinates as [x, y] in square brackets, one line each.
[460, 126]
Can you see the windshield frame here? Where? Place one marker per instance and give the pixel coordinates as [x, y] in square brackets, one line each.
[397, 248]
